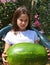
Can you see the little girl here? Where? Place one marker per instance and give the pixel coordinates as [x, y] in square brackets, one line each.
[20, 31]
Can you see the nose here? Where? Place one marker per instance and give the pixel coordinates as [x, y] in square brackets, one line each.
[23, 22]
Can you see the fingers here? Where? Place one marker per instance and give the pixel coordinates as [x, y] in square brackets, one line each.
[4, 59]
[46, 48]
[48, 55]
[4, 56]
[48, 51]
[5, 63]
[48, 58]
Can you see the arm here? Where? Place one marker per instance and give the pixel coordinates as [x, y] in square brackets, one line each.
[6, 47]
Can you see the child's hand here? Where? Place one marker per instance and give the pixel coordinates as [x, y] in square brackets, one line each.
[48, 51]
[4, 58]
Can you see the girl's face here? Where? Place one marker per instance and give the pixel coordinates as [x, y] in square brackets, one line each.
[22, 22]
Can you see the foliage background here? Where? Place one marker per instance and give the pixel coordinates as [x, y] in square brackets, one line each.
[41, 6]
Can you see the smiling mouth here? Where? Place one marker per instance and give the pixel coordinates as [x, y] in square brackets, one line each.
[22, 25]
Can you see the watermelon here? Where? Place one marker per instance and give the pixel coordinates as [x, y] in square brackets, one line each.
[26, 53]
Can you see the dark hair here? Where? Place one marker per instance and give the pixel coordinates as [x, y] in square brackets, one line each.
[17, 13]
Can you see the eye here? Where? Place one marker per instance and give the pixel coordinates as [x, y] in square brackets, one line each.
[26, 20]
[21, 20]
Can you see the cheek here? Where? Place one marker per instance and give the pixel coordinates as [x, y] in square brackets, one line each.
[18, 22]
[27, 24]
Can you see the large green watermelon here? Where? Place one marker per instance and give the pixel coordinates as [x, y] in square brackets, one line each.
[27, 54]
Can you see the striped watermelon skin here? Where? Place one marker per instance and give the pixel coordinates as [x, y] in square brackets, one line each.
[27, 53]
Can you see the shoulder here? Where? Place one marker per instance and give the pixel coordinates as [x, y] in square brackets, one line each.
[10, 33]
[34, 35]
[31, 31]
